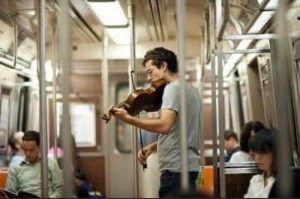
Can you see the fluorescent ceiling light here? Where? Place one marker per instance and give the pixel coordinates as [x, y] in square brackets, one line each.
[263, 18]
[233, 59]
[244, 44]
[48, 71]
[272, 4]
[119, 35]
[109, 13]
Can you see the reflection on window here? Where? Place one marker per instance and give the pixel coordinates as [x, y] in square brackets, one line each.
[4, 116]
[83, 122]
[123, 130]
[123, 134]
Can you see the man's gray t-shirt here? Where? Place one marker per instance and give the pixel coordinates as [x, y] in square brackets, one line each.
[169, 145]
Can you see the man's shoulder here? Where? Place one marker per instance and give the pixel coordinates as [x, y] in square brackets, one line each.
[52, 161]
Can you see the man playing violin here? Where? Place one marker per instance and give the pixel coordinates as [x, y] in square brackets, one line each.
[161, 63]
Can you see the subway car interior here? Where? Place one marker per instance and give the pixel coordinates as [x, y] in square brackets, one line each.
[64, 63]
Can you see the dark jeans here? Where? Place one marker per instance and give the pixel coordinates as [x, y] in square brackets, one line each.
[170, 183]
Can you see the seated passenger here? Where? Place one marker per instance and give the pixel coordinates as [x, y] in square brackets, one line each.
[231, 144]
[249, 129]
[26, 176]
[262, 144]
[15, 142]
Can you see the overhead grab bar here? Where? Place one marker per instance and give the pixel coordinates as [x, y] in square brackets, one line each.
[226, 19]
[249, 36]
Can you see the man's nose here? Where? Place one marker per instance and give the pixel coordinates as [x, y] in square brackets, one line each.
[148, 78]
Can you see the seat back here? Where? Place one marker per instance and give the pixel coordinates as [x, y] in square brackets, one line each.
[237, 178]
[3, 177]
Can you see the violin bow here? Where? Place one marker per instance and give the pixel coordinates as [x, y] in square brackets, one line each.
[140, 131]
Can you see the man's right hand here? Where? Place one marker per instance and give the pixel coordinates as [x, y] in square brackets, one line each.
[143, 154]
[107, 116]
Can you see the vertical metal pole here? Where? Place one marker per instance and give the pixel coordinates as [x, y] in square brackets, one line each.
[221, 121]
[105, 99]
[213, 94]
[15, 40]
[64, 46]
[131, 14]
[181, 20]
[281, 72]
[200, 85]
[54, 88]
[43, 102]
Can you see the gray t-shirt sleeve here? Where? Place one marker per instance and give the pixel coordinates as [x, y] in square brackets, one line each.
[171, 98]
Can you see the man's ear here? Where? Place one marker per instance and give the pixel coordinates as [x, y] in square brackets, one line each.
[164, 66]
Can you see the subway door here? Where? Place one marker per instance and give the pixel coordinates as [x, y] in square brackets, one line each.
[119, 164]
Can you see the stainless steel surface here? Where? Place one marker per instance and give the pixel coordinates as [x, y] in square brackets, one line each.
[43, 100]
[249, 36]
[64, 47]
[221, 122]
[105, 104]
[181, 16]
[212, 31]
[225, 10]
[54, 82]
[132, 67]
[283, 101]
[247, 51]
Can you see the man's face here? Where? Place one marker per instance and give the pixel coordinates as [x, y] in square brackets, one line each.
[153, 73]
[31, 150]
[230, 144]
[226, 145]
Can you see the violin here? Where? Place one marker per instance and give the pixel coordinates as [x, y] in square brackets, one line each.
[149, 99]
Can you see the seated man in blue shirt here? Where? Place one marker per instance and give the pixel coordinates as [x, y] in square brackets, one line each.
[26, 176]
[231, 144]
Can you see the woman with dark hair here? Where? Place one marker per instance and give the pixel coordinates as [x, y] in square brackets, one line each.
[262, 144]
[249, 129]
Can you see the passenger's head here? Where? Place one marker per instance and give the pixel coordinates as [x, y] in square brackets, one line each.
[231, 140]
[15, 140]
[249, 129]
[31, 145]
[159, 61]
[262, 144]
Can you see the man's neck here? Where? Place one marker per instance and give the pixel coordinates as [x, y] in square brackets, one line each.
[234, 148]
[172, 77]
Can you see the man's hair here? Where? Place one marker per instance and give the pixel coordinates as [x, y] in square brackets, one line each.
[230, 134]
[159, 55]
[32, 136]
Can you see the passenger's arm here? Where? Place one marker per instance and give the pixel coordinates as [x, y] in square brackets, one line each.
[57, 181]
[12, 182]
[161, 125]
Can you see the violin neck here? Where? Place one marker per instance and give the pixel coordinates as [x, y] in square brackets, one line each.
[122, 105]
